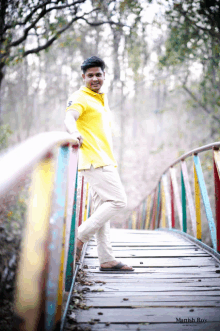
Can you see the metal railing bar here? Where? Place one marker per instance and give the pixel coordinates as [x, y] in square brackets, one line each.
[27, 154]
[192, 152]
[63, 321]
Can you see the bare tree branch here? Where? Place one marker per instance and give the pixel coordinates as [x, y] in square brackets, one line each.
[29, 16]
[103, 22]
[58, 33]
[41, 15]
[200, 103]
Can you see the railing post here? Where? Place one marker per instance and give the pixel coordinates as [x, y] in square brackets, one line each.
[189, 196]
[216, 168]
[33, 266]
[158, 205]
[163, 206]
[57, 220]
[143, 215]
[183, 196]
[71, 250]
[86, 203]
[167, 199]
[81, 202]
[176, 194]
[206, 201]
[197, 206]
[147, 221]
[153, 220]
[134, 220]
[172, 204]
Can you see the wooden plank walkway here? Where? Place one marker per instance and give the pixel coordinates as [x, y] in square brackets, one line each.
[175, 286]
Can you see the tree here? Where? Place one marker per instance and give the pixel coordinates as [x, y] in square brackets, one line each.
[194, 35]
[29, 26]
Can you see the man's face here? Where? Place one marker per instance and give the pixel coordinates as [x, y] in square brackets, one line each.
[94, 78]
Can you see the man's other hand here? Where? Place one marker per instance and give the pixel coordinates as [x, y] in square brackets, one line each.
[77, 136]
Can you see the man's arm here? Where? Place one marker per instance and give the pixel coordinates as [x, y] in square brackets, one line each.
[70, 123]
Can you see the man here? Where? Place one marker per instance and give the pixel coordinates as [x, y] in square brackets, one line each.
[88, 121]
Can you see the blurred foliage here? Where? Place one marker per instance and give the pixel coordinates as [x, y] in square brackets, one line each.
[5, 133]
[193, 37]
[15, 212]
[28, 26]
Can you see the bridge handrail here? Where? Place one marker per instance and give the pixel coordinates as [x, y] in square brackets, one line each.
[215, 145]
[47, 260]
[32, 151]
[159, 207]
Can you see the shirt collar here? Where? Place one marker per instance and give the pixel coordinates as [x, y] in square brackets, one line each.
[87, 90]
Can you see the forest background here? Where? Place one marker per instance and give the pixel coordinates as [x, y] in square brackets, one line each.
[162, 77]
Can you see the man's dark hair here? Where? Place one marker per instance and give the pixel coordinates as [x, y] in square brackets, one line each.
[92, 62]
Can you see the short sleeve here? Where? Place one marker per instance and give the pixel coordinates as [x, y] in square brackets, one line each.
[76, 102]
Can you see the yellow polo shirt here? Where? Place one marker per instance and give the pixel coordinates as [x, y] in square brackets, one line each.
[94, 124]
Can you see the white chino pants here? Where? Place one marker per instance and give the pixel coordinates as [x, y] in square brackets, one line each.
[109, 198]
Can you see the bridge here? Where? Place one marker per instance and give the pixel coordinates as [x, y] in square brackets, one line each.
[175, 284]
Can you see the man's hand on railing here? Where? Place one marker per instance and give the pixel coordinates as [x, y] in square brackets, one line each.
[77, 136]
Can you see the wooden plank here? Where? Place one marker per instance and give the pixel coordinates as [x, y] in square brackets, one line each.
[156, 271]
[152, 275]
[185, 291]
[165, 262]
[148, 245]
[145, 248]
[160, 270]
[150, 253]
[165, 285]
[148, 288]
[213, 326]
[149, 315]
[166, 281]
[152, 301]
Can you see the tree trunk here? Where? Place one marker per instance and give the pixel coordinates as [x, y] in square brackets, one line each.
[2, 67]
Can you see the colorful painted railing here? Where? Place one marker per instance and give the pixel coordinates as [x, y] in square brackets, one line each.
[47, 263]
[167, 203]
